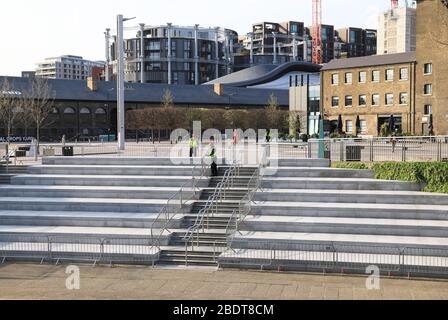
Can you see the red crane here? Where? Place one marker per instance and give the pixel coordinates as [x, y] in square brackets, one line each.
[317, 32]
[394, 4]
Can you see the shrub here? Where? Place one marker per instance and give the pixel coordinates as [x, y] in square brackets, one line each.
[351, 165]
[433, 175]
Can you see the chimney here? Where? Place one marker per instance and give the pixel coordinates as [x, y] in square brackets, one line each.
[219, 89]
[92, 84]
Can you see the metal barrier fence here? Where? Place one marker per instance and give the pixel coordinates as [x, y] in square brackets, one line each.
[367, 150]
[333, 257]
[89, 249]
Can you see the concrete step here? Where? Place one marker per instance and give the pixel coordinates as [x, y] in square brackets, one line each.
[362, 243]
[113, 160]
[317, 172]
[338, 184]
[84, 234]
[361, 226]
[351, 210]
[83, 204]
[116, 170]
[85, 180]
[85, 219]
[39, 191]
[306, 163]
[352, 196]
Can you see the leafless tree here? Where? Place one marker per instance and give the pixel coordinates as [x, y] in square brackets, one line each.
[39, 100]
[10, 106]
[274, 116]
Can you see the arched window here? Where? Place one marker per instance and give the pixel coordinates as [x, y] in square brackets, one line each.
[69, 110]
[54, 111]
[84, 111]
[100, 111]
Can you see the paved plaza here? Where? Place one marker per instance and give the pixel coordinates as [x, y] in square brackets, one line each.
[31, 281]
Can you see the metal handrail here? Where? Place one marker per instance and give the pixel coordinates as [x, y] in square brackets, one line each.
[210, 204]
[165, 215]
[244, 206]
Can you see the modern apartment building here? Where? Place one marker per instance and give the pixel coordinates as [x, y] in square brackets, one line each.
[397, 31]
[277, 43]
[432, 67]
[356, 42]
[271, 43]
[367, 91]
[178, 55]
[67, 67]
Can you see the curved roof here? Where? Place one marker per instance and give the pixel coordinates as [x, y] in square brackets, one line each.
[265, 73]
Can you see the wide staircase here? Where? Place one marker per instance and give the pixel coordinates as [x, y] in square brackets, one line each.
[204, 249]
[7, 172]
[87, 208]
[312, 217]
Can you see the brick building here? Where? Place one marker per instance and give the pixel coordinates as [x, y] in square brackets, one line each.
[373, 88]
[432, 67]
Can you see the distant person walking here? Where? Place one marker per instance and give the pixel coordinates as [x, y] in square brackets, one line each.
[193, 147]
[213, 158]
[268, 136]
[63, 140]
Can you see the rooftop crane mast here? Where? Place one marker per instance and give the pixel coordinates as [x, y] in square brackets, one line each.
[317, 32]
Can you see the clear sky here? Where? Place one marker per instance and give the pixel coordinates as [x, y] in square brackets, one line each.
[33, 30]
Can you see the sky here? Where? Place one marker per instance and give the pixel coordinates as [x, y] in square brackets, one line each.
[31, 31]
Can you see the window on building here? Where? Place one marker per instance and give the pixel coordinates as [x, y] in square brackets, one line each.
[428, 68]
[362, 77]
[375, 99]
[54, 111]
[427, 89]
[349, 126]
[363, 126]
[69, 110]
[390, 75]
[335, 102]
[100, 111]
[335, 79]
[404, 74]
[428, 109]
[389, 99]
[349, 78]
[362, 100]
[84, 111]
[376, 76]
[348, 101]
[403, 98]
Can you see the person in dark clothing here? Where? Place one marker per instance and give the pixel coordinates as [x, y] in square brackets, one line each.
[213, 158]
[268, 136]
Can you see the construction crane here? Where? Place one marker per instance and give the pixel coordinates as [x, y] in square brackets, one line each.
[317, 32]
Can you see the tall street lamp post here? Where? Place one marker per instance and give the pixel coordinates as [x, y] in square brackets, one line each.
[120, 83]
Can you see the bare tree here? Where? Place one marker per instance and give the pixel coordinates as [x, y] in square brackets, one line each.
[10, 104]
[39, 104]
[273, 114]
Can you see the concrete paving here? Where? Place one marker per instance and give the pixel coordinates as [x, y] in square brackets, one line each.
[45, 282]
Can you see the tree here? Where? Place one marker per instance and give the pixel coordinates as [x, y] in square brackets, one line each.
[297, 121]
[10, 106]
[38, 102]
[273, 114]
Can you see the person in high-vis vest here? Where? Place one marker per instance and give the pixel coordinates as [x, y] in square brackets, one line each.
[193, 147]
